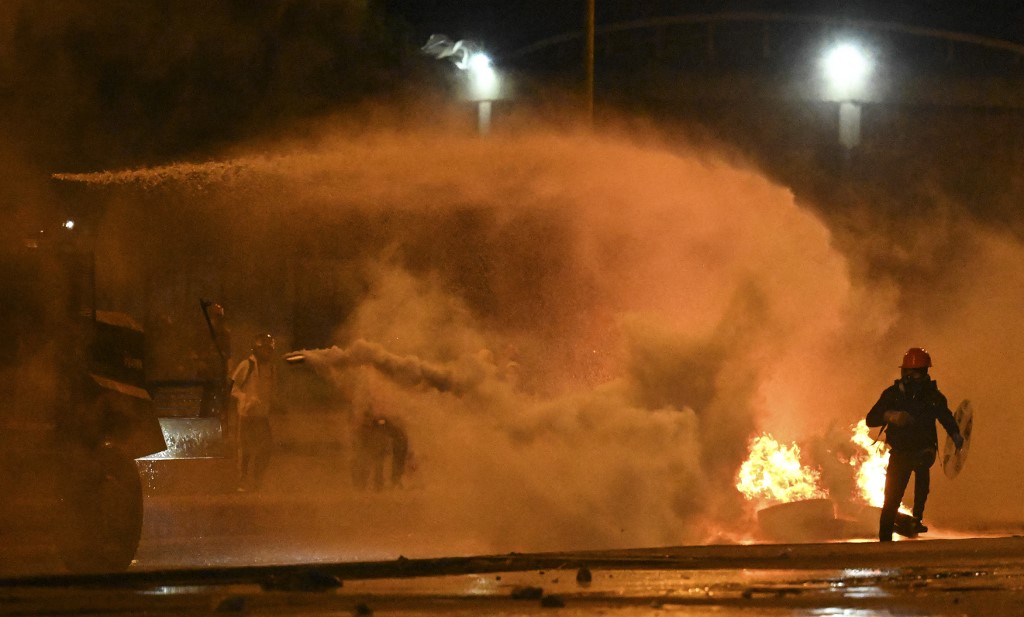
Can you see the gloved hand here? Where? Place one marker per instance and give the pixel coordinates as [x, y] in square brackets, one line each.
[898, 418]
[958, 441]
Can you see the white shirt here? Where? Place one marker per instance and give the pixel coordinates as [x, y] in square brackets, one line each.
[254, 391]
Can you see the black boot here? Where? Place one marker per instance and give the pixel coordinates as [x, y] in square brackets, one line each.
[886, 524]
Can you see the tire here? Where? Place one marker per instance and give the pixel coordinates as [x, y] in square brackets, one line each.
[100, 511]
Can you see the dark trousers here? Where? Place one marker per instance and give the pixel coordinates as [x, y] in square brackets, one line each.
[254, 445]
[368, 466]
[897, 477]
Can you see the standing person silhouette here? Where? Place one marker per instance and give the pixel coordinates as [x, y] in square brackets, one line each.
[254, 388]
[908, 409]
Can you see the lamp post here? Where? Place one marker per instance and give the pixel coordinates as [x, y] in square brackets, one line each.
[483, 83]
[847, 69]
[481, 79]
[588, 61]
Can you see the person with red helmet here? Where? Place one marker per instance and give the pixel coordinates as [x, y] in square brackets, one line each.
[908, 410]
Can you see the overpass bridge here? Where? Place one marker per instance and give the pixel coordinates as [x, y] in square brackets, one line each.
[945, 108]
[777, 55]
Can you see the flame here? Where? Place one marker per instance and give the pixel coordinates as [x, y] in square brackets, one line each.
[774, 474]
[869, 465]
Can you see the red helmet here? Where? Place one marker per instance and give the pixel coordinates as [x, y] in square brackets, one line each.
[916, 358]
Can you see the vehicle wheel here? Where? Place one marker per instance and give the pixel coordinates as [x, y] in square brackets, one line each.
[101, 511]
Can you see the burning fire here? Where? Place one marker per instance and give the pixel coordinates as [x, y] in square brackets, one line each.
[773, 473]
[869, 465]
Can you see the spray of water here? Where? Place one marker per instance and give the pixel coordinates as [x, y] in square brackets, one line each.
[657, 303]
[580, 333]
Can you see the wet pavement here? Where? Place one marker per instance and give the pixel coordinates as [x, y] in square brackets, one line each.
[347, 553]
[926, 577]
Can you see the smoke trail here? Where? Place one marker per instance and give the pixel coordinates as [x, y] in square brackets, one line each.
[405, 370]
[459, 52]
[549, 305]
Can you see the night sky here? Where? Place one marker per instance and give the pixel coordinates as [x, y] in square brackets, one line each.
[509, 24]
[116, 83]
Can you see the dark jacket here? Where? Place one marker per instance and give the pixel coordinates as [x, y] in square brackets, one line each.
[925, 407]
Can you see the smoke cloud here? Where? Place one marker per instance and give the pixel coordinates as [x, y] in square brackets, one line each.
[580, 332]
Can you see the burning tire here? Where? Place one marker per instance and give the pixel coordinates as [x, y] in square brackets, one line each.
[808, 520]
[100, 511]
[862, 522]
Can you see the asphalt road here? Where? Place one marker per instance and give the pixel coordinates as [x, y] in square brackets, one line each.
[345, 553]
[926, 577]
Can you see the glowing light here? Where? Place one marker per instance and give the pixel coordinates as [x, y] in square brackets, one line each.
[773, 473]
[482, 75]
[869, 465]
[846, 67]
[846, 64]
[479, 62]
[69, 224]
[468, 57]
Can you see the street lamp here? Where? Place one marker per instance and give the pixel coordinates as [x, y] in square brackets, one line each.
[482, 80]
[847, 69]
